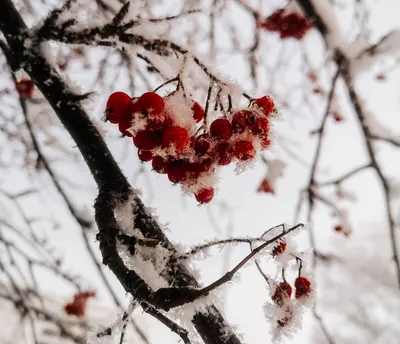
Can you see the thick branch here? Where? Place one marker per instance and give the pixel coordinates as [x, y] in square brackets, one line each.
[113, 185]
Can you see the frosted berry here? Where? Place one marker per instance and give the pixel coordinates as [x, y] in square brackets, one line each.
[150, 102]
[202, 144]
[303, 287]
[242, 120]
[123, 126]
[25, 88]
[158, 122]
[244, 150]
[159, 165]
[223, 153]
[176, 137]
[260, 126]
[265, 105]
[265, 142]
[204, 195]
[198, 112]
[178, 170]
[221, 129]
[147, 140]
[202, 166]
[279, 249]
[283, 292]
[144, 155]
[118, 107]
[266, 187]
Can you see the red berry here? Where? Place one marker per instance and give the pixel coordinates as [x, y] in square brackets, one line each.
[223, 153]
[261, 126]
[144, 155]
[283, 291]
[266, 187]
[177, 137]
[244, 150]
[25, 88]
[123, 126]
[221, 129]
[178, 170]
[198, 112]
[159, 165]
[265, 105]
[204, 195]
[160, 122]
[201, 166]
[119, 107]
[202, 144]
[303, 287]
[265, 142]
[279, 249]
[242, 120]
[150, 102]
[147, 140]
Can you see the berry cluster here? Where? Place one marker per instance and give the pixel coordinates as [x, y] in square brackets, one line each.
[167, 132]
[288, 25]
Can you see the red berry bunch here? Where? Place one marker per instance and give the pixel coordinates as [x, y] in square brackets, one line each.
[288, 25]
[303, 287]
[25, 88]
[166, 132]
[282, 292]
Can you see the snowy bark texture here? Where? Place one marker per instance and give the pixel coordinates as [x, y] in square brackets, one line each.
[112, 184]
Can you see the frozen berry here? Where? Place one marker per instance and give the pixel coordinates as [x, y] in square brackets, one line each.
[198, 112]
[150, 102]
[242, 120]
[265, 142]
[264, 104]
[223, 153]
[283, 291]
[205, 165]
[303, 287]
[260, 126]
[144, 155]
[244, 150]
[147, 140]
[123, 126]
[119, 107]
[25, 88]
[265, 186]
[202, 144]
[159, 165]
[178, 170]
[204, 195]
[279, 249]
[221, 129]
[176, 137]
[158, 122]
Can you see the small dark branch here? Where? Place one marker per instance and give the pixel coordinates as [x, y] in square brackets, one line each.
[385, 139]
[166, 83]
[167, 298]
[374, 164]
[313, 17]
[207, 104]
[327, 335]
[345, 176]
[174, 327]
[197, 249]
[321, 132]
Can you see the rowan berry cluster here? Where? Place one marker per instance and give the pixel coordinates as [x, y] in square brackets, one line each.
[168, 132]
[288, 25]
